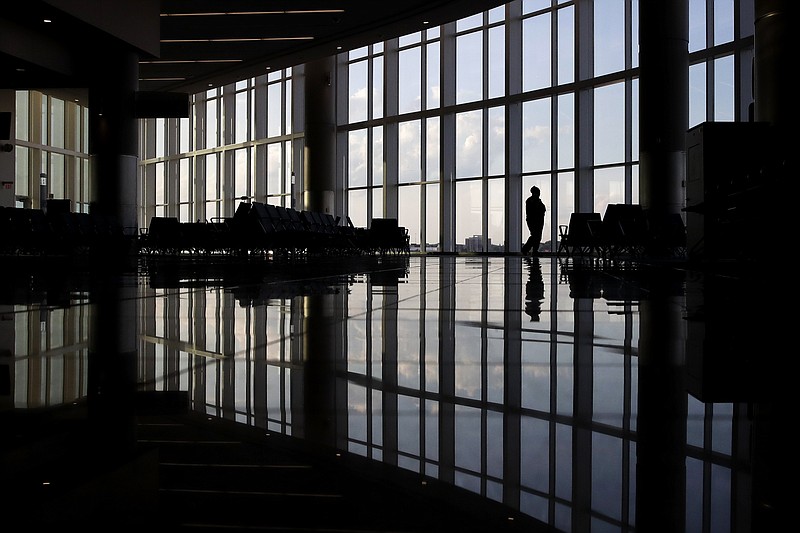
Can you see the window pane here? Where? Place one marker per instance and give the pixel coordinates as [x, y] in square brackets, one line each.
[697, 94]
[496, 141]
[377, 87]
[287, 107]
[497, 215]
[497, 61]
[536, 55]
[566, 131]
[433, 78]
[409, 90]
[377, 202]
[274, 110]
[723, 21]
[536, 135]
[21, 115]
[56, 177]
[211, 123]
[185, 132]
[357, 156]
[634, 123]
[57, 121]
[44, 116]
[408, 156]
[634, 43]
[357, 53]
[357, 207]
[469, 144]
[357, 91]
[497, 14]
[529, 6]
[566, 197]
[241, 188]
[469, 67]
[161, 143]
[288, 173]
[609, 188]
[241, 117]
[377, 155]
[411, 38]
[274, 166]
[212, 190]
[432, 149]
[21, 171]
[185, 186]
[470, 22]
[409, 210]
[724, 97]
[566, 45]
[469, 213]
[697, 25]
[609, 36]
[432, 217]
[160, 185]
[609, 124]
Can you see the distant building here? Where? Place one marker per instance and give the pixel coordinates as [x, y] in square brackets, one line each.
[475, 244]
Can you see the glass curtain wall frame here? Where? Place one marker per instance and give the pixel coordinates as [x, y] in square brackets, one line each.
[721, 40]
[589, 87]
[235, 146]
[51, 151]
[472, 128]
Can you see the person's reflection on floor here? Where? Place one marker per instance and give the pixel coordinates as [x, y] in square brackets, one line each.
[534, 289]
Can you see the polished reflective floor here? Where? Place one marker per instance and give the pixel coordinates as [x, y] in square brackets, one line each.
[444, 393]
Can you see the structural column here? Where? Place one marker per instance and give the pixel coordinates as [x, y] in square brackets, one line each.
[319, 162]
[773, 80]
[663, 103]
[113, 151]
[113, 141]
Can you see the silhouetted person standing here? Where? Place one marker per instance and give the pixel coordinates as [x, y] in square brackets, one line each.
[534, 217]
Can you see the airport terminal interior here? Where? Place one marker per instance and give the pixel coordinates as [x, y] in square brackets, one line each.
[262, 266]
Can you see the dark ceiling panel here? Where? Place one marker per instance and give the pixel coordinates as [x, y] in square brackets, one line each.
[198, 51]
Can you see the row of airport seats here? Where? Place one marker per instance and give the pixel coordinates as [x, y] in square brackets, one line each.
[55, 231]
[260, 229]
[624, 231]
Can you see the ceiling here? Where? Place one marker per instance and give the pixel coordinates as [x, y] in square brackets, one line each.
[191, 45]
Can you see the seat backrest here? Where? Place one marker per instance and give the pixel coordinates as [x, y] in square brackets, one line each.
[624, 222]
[384, 225]
[580, 227]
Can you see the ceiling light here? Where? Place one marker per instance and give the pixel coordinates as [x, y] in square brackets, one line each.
[238, 40]
[181, 61]
[226, 13]
[161, 79]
